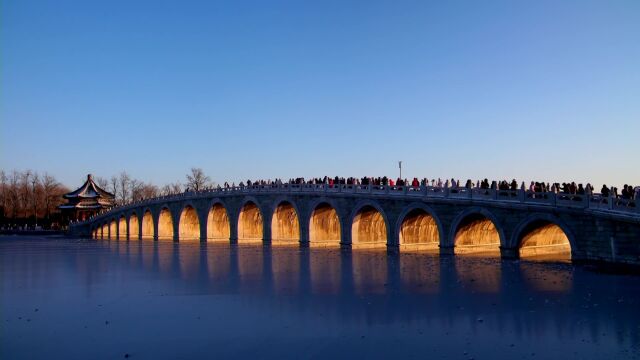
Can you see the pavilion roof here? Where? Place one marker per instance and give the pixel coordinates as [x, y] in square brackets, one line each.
[89, 190]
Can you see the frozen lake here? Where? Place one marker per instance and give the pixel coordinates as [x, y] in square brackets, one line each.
[86, 299]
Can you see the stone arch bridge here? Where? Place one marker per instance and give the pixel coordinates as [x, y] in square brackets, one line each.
[507, 223]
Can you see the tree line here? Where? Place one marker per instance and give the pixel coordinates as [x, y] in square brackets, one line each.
[127, 189]
[29, 198]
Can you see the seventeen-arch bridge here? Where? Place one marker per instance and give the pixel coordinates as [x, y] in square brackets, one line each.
[508, 223]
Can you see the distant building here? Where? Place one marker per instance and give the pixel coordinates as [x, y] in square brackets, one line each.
[87, 200]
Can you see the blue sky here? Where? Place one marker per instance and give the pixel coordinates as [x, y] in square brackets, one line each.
[547, 90]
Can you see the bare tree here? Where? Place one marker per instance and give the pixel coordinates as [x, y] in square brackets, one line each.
[141, 191]
[135, 186]
[3, 193]
[102, 182]
[125, 183]
[197, 180]
[35, 190]
[49, 186]
[171, 189]
[13, 194]
[25, 192]
[114, 188]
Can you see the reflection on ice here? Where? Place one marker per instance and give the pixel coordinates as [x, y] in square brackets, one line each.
[239, 300]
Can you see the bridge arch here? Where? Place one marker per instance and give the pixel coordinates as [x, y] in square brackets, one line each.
[165, 224]
[122, 228]
[113, 229]
[148, 225]
[369, 226]
[285, 222]
[325, 224]
[218, 223]
[189, 223]
[134, 226]
[250, 222]
[543, 237]
[419, 228]
[476, 231]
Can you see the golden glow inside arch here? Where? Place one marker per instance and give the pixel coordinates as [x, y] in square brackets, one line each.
[324, 227]
[369, 229]
[285, 226]
[122, 228]
[113, 228]
[134, 227]
[250, 223]
[218, 225]
[476, 234]
[147, 226]
[419, 231]
[165, 225]
[189, 225]
[545, 241]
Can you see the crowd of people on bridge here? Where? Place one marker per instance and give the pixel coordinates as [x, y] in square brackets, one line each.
[536, 189]
[628, 195]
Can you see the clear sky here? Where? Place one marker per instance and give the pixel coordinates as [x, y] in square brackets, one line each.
[547, 90]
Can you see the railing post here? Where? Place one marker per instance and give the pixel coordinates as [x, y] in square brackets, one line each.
[521, 195]
[495, 194]
[610, 202]
[404, 190]
[446, 192]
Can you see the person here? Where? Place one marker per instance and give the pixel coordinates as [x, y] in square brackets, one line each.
[532, 189]
[573, 188]
[604, 191]
[625, 193]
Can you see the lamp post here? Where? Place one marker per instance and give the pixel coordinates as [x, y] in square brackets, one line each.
[400, 167]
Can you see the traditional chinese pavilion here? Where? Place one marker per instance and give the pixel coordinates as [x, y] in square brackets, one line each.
[87, 200]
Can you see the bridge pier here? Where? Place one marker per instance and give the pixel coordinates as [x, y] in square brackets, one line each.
[509, 253]
[393, 249]
[446, 250]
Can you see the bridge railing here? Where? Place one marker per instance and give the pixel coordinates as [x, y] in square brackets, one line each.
[593, 201]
